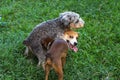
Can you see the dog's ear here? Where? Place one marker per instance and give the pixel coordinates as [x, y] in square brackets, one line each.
[68, 17]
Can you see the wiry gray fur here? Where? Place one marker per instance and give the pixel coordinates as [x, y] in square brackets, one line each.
[52, 28]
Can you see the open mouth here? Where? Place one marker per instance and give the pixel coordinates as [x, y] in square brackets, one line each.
[73, 47]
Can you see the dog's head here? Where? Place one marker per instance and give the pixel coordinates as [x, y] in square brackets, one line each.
[71, 19]
[71, 38]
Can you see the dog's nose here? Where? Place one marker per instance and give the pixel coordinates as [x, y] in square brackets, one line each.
[75, 43]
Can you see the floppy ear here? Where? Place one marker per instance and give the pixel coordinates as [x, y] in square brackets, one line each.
[66, 19]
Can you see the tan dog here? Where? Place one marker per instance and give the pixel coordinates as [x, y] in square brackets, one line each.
[57, 51]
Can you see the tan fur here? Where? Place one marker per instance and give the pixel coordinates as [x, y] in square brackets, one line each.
[56, 54]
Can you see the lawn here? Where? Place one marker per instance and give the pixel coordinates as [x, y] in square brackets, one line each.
[98, 57]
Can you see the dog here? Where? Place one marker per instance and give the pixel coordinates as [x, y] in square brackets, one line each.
[57, 52]
[53, 29]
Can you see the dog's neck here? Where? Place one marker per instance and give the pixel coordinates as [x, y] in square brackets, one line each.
[66, 43]
[50, 43]
[64, 40]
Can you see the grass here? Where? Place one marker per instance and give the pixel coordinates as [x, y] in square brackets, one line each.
[98, 57]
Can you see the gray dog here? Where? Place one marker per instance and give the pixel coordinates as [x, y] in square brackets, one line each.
[52, 28]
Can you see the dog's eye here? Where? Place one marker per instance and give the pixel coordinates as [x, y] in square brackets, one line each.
[76, 37]
[77, 21]
[71, 36]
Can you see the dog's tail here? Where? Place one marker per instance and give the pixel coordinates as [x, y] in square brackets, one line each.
[26, 42]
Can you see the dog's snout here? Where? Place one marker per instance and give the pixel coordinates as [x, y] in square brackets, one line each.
[75, 43]
[68, 41]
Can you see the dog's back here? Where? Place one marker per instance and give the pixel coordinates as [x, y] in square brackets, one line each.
[57, 49]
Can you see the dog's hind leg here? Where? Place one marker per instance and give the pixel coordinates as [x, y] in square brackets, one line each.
[47, 71]
[39, 52]
[63, 61]
[26, 51]
[58, 69]
[47, 68]
[41, 59]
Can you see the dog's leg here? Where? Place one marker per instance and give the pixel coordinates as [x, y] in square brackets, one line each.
[38, 65]
[39, 62]
[47, 71]
[43, 65]
[26, 51]
[58, 69]
[63, 61]
[40, 54]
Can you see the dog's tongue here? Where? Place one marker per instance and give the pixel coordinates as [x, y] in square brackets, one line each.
[74, 48]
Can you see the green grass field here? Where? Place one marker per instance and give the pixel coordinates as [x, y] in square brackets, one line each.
[98, 57]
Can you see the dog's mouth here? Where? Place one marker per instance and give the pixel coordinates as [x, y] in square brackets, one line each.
[73, 47]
